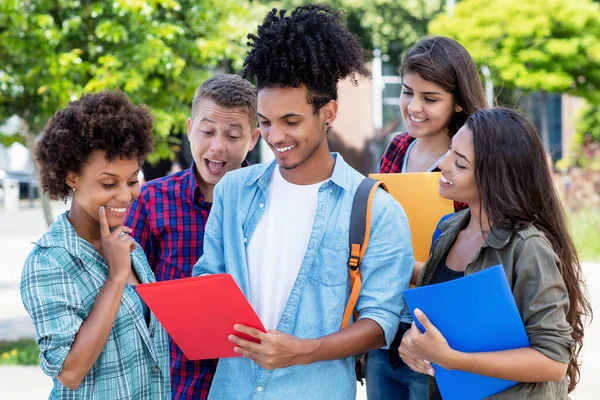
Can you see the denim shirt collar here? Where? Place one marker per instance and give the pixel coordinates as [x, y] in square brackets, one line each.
[339, 177]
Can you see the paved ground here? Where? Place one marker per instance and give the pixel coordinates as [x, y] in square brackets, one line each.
[19, 229]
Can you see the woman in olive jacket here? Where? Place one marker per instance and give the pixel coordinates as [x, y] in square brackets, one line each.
[496, 164]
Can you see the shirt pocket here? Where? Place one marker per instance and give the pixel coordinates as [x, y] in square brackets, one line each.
[330, 267]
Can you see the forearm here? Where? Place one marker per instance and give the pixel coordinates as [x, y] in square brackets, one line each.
[520, 365]
[358, 337]
[93, 334]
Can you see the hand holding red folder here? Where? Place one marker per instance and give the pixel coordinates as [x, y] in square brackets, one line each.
[199, 313]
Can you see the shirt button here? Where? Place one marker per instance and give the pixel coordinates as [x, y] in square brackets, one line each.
[155, 369]
[245, 240]
[261, 205]
[259, 389]
[330, 190]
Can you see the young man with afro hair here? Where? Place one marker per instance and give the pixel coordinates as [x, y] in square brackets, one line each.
[285, 225]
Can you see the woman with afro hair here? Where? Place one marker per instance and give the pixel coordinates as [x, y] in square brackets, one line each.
[286, 226]
[97, 338]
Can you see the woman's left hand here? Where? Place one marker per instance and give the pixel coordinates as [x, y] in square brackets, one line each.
[431, 345]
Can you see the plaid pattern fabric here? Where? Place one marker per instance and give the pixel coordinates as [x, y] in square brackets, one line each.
[392, 159]
[168, 220]
[61, 278]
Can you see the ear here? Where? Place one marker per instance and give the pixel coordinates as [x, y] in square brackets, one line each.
[328, 113]
[189, 126]
[254, 140]
[72, 180]
[458, 108]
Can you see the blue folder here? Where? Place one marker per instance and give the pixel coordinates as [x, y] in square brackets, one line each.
[476, 313]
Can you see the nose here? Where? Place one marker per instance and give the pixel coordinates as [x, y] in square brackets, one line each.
[274, 135]
[125, 194]
[217, 145]
[415, 105]
[443, 164]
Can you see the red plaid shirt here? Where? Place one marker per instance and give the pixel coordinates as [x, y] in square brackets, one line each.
[168, 221]
[392, 159]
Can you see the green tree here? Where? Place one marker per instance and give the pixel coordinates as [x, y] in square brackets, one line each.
[390, 25]
[587, 137]
[156, 51]
[534, 45]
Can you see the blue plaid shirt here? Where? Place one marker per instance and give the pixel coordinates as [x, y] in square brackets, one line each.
[61, 278]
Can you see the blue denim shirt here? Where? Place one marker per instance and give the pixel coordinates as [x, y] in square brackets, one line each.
[319, 295]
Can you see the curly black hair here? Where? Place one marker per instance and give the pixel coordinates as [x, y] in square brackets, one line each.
[105, 121]
[310, 47]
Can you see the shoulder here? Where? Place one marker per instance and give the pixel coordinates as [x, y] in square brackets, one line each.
[165, 183]
[44, 269]
[399, 144]
[239, 179]
[532, 242]
[391, 161]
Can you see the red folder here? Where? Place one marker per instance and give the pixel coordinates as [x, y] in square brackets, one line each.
[199, 313]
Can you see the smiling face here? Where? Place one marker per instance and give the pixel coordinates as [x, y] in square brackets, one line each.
[458, 170]
[426, 107]
[112, 184]
[296, 135]
[220, 138]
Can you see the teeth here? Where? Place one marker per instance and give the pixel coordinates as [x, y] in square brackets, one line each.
[415, 119]
[119, 210]
[216, 161]
[447, 181]
[283, 149]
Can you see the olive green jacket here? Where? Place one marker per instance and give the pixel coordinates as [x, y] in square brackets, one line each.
[534, 274]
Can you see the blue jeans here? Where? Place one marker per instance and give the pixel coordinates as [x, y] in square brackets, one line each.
[393, 382]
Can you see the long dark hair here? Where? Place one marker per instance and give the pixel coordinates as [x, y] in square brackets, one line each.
[446, 63]
[516, 166]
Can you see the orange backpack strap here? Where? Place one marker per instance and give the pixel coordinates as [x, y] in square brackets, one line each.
[360, 230]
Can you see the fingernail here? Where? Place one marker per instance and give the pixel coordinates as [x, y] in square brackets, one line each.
[101, 208]
[430, 372]
[230, 337]
[418, 312]
[236, 349]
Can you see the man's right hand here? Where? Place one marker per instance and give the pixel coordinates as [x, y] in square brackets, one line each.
[408, 355]
[116, 248]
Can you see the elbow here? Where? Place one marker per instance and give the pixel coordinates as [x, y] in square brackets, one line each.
[559, 371]
[69, 381]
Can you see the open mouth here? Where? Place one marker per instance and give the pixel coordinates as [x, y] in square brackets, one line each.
[214, 166]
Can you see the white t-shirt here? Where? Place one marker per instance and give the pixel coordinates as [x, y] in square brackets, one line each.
[278, 245]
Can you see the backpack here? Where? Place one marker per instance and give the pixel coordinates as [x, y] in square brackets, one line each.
[360, 230]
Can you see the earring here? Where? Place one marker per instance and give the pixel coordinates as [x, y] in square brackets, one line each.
[327, 127]
[74, 190]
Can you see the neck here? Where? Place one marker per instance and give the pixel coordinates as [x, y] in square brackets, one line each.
[316, 168]
[479, 220]
[85, 226]
[206, 189]
[433, 144]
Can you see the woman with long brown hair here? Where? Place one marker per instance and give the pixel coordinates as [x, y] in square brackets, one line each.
[496, 164]
[440, 89]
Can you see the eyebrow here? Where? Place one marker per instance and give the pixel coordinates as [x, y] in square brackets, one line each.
[460, 155]
[288, 115]
[116, 176]
[429, 93]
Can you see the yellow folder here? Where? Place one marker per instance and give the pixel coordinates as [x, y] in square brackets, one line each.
[424, 207]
